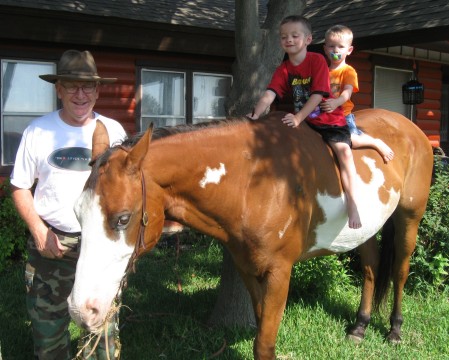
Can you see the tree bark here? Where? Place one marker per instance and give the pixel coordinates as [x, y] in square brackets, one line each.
[257, 50]
[258, 53]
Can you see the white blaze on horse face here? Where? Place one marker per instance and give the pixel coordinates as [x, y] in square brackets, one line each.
[100, 267]
[334, 234]
[213, 176]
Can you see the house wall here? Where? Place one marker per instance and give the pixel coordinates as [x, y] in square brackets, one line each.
[121, 99]
[427, 114]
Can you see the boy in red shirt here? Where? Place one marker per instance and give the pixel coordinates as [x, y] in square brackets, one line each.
[306, 76]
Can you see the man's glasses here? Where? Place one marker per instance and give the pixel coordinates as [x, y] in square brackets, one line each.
[87, 88]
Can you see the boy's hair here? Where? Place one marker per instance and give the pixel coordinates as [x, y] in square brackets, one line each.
[298, 19]
[341, 31]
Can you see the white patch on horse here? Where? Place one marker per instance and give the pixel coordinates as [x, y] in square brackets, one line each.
[101, 264]
[334, 234]
[213, 176]
[287, 224]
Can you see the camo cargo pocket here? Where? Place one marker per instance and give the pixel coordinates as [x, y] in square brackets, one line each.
[29, 276]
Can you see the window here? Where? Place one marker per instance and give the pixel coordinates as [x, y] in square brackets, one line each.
[24, 96]
[173, 97]
[163, 98]
[388, 89]
[209, 94]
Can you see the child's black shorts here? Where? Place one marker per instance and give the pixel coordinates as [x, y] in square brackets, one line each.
[333, 133]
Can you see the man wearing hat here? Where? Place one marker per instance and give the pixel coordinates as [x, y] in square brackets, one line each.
[54, 155]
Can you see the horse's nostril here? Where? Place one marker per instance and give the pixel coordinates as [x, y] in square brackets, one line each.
[92, 308]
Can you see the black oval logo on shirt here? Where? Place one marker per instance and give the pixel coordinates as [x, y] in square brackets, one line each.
[73, 158]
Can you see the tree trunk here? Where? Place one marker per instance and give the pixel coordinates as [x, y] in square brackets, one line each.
[258, 53]
[233, 306]
[257, 50]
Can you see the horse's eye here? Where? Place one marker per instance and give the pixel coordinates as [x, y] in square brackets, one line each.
[123, 220]
[120, 221]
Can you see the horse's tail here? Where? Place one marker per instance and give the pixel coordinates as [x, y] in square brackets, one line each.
[385, 268]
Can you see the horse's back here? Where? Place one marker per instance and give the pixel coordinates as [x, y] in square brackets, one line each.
[413, 160]
[307, 172]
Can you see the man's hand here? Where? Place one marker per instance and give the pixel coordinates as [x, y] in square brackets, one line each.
[48, 244]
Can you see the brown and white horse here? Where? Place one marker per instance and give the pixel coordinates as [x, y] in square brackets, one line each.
[271, 194]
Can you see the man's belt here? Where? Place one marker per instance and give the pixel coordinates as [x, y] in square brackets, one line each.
[63, 233]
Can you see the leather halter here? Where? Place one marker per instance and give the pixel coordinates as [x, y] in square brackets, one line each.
[140, 242]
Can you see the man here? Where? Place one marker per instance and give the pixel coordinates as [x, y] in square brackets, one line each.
[54, 155]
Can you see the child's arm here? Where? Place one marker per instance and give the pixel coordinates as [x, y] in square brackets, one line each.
[331, 104]
[264, 102]
[295, 119]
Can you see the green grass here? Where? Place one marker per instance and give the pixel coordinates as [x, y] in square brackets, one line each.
[161, 322]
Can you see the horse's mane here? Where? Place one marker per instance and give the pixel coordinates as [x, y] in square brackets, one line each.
[158, 133]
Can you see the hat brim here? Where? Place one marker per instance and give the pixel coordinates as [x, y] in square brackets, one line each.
[52, 78]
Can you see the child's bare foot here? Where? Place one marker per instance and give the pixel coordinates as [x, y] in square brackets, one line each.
[384, 150]
[354, 221]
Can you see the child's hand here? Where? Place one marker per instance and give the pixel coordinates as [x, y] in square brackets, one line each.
[328, 105]
[291, 120]
[252, 116]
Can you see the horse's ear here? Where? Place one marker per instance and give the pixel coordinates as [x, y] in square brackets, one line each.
[138, 152]
[100, 140]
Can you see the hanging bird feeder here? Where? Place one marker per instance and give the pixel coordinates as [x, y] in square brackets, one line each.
[413, 90]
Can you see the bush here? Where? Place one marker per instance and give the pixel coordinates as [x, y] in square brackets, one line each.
[14, 232]
[430, 263]
[321, 275]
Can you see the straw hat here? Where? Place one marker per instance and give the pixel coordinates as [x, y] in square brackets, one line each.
[76, 66]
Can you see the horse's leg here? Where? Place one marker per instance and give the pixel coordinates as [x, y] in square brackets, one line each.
[406, 230]
[269, 294]
[255, 292]
[369, 257]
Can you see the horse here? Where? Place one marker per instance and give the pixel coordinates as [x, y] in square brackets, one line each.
[269, 193]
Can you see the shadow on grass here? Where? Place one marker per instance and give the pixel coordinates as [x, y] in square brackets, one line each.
[15, 333]
[16, 339]
[161, 320]
[337, 306]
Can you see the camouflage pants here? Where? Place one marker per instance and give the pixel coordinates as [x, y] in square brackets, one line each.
[49, 283]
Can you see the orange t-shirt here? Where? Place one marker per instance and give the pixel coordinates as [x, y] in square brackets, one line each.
[339, 78]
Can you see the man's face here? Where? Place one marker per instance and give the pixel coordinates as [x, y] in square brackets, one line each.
[78, 99]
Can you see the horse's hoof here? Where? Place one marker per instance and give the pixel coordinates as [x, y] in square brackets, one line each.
[394, 339]
[354, 339]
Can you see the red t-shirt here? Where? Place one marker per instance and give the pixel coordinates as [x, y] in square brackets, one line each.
[309, 77]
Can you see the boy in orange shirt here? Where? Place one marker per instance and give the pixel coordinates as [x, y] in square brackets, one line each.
[343, 81]
[305, 75]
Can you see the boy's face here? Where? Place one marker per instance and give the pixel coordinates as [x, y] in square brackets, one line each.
[294, 38]
[337, 48]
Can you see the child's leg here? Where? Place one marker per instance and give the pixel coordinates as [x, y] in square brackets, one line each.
[360, 139]
[348, 174]
[365, 140]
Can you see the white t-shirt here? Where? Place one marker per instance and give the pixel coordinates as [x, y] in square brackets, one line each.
[58, 156]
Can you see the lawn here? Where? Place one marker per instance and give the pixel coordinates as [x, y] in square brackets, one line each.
[169, 299]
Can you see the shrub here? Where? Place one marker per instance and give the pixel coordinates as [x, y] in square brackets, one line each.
[14, 232]
[430, 263]
[320, 275]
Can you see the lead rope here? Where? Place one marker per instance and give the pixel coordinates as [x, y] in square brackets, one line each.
[140, 243]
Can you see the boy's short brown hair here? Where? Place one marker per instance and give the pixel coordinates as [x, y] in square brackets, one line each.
[340, 31]
[298, 19]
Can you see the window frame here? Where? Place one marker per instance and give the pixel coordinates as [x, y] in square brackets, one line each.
[408, 108]
[5, 169]
[140, 123]
[188, 85]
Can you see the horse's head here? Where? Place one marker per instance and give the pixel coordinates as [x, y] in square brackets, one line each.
[110, 211]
